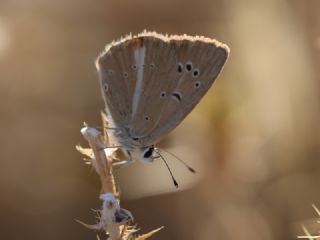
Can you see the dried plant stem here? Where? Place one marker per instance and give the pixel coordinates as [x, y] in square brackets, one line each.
[102, 164]
[113, 219]
[308, 235]
[103, 167]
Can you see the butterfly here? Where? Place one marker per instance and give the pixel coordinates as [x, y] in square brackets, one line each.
[150, 82]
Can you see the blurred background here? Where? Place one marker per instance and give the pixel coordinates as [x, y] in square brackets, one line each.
[254, 139]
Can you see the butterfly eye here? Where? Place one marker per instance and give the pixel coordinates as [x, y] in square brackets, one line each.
[162, 94]
[196, 84]
[134, 67]
[189, 66]
[148, 152]
[146, 118]
[179, 67]
[195, 73]
[125, 74]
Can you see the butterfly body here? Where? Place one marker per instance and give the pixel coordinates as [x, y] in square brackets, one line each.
[150, 83]
[131, 145]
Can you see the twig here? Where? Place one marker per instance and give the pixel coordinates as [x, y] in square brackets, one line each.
[112, 216]
[102, 165]
[112, 219]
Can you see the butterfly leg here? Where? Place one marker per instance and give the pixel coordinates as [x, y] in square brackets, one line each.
[123, 163]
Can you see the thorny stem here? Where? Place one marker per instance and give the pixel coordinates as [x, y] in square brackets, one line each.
[103, 167]
[114, 220]
[102, 164]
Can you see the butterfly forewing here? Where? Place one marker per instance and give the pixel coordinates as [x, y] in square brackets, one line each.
[205, 64]
[182, 80]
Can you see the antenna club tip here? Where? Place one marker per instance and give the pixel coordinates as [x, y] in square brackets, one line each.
[175, 183]
[191, 170]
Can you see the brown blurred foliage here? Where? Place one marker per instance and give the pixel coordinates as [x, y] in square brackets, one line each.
[258, 156]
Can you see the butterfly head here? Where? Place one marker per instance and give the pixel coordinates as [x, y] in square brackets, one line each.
[145, 154]
[148, 154]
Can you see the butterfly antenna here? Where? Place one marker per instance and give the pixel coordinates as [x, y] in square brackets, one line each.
[173, 179]
[179, 159]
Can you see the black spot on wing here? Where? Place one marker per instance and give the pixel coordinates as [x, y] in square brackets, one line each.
[177, 96]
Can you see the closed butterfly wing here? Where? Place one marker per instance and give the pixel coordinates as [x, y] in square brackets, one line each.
[186, 67]
[151, 82]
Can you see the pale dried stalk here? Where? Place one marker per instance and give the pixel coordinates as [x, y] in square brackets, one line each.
[308, 235]
[103, 167]
[102, 164]
[113, 219]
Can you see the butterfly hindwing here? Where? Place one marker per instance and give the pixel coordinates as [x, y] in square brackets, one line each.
[117, 68]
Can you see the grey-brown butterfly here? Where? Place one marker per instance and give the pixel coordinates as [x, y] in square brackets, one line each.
[151, 82]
